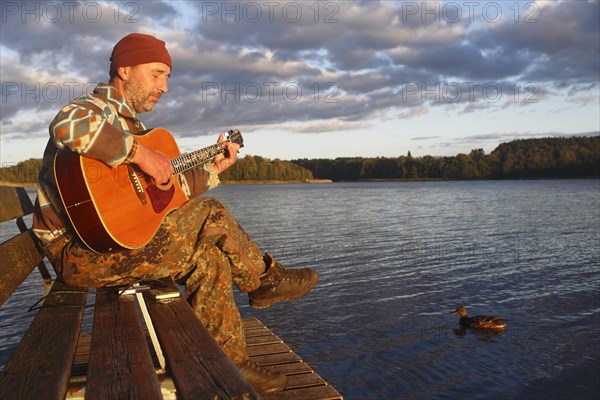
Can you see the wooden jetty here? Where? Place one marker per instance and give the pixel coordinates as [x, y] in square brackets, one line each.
[164, 353]
[267, 349]
[264, 347]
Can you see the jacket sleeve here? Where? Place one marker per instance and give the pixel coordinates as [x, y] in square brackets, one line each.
[199, 180]
[86, 127]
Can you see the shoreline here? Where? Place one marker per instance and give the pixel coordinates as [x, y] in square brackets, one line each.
[325, 181]
[18, 184]
[250, 182]
[274, 182]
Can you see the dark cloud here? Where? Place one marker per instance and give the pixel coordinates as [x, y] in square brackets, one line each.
[561, 41]
[329, 64]
[426, 138]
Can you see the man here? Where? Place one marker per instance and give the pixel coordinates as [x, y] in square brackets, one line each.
[200, 244]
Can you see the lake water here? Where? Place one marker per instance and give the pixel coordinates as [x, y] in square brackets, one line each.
[395, 258]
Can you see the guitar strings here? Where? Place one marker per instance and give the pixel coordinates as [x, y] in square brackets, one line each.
[182, 162]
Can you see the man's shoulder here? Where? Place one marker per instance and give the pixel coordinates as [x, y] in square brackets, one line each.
[99, 100]
[102, 92]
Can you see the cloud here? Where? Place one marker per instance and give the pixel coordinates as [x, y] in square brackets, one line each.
[583, 100]
[316, 66]
[495, 137]
[490, 141]
[426, 138]
[328, 126]
[470, 108]
[415, 112]
[556, 38]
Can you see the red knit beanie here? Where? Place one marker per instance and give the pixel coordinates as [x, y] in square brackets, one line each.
[137, 48]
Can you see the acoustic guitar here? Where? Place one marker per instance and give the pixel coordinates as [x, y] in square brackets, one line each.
[116, 208]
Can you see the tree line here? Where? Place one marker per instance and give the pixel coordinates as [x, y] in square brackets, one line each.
[256, 168]
[23, 172]
[249, 168]
[573, 157]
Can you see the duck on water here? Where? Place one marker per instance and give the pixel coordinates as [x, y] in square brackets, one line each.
[479, 321]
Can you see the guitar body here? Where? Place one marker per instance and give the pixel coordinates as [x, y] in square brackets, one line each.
[117, 208]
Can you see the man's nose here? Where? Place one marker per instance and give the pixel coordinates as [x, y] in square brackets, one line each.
[163, 86]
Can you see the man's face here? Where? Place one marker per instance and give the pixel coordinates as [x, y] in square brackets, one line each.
[146, 83]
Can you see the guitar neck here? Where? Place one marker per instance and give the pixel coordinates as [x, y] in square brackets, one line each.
[190, 160]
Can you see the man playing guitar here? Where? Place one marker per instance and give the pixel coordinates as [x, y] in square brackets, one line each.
[98, 140]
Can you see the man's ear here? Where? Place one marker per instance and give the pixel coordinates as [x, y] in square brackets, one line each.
[124, 73]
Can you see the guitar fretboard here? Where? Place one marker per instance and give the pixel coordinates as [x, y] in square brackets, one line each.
[190, 160]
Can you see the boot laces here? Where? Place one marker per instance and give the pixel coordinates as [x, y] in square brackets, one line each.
[291, 274]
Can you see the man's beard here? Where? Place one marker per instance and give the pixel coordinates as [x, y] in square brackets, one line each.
[140, 100]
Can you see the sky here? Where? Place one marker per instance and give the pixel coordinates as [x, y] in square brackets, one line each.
[317, 79]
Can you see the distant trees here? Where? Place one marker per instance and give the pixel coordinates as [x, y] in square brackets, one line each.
[256, 168]
[249, 168]
[23, 172]
[573, 157]
[550, 157]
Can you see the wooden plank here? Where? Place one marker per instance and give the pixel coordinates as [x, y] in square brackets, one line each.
[196, 363]
[262, 340]
[14, 203]
[310, 393]
[268, 350]
[82, 355]
[120, 365]
[254, 323]
[293, 368]
[304, 380]
[261, 334]
[256, 333]
[41, 365]
[18, 257]
[273, 359]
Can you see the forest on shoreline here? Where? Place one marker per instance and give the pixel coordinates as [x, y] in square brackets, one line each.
[571, 157]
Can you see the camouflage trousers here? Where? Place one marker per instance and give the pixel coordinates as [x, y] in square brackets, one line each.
[200, 245]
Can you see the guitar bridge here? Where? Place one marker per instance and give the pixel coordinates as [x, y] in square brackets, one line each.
[137, 184]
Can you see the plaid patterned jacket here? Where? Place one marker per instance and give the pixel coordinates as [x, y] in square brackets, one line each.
[103, 126]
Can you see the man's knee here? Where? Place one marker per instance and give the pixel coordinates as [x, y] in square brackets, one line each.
[208, 202]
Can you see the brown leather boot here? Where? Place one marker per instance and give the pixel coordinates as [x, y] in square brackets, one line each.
[261, 379]
[280, 284]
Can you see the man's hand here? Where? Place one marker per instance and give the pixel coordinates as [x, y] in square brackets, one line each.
[155, 164]
[228, 158]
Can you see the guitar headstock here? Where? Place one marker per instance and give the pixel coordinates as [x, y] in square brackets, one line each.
[235, 136]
